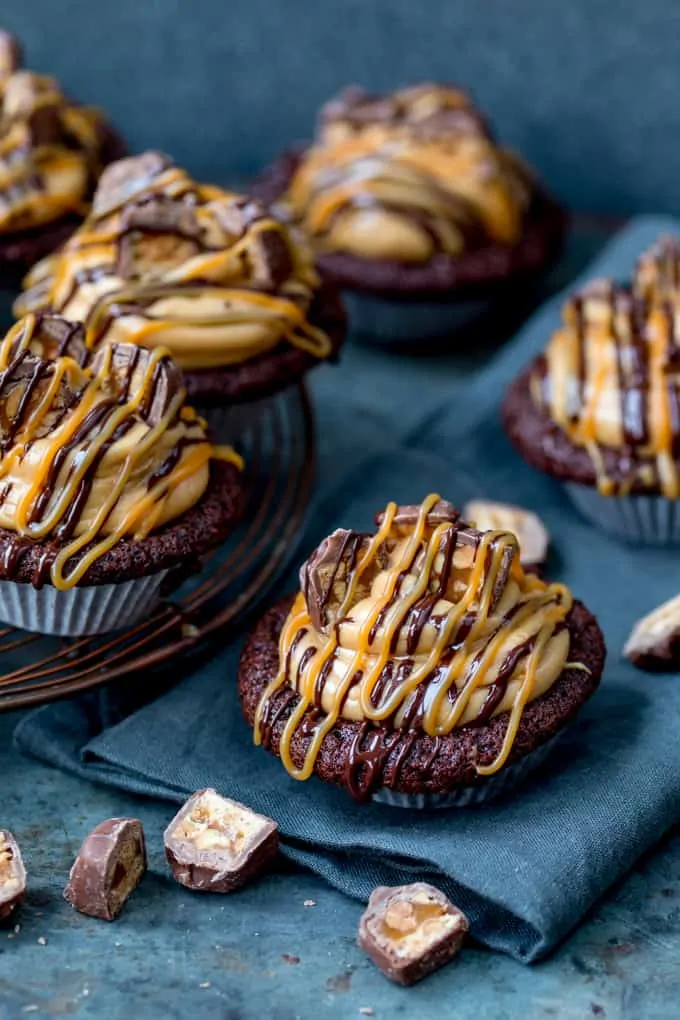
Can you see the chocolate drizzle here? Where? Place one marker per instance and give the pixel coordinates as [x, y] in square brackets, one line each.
[634, 326]
[412, 621]
[80, 415]
[162, 258]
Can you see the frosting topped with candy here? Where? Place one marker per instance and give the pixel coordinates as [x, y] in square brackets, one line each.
[426, 626]
[610, 377]
[407, 176]
[92, 452]
[50, 147]
[208, 274]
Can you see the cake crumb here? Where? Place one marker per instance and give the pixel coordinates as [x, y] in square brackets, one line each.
[290, 958]
[309, 903]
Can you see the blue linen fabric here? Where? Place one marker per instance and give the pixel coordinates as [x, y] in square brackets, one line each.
[524, 870]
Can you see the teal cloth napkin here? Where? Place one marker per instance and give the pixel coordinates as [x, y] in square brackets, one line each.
[524, 870]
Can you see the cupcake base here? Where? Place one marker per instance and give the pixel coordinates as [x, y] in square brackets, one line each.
[486, 791]
[648, 520]
[429, 772]
[79, 611]
[400, 320]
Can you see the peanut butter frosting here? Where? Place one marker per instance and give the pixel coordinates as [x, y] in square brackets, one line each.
[92, 450]
[162, 260]
[405, 177]
[50, 147]
[610, 377]
[424, 627]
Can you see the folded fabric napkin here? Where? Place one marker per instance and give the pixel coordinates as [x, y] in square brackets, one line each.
[524, 870]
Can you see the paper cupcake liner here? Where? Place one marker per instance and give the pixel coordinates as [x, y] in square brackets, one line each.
[79, 611]
[650, 520]
[230, 422]
[489, 789]
[399, 320]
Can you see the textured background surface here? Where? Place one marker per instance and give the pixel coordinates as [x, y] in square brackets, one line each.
[261, 954]
[588, 90]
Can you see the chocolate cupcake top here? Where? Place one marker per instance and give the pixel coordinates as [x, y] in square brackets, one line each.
[407, 176]
[50, 147]
[610, 376]
[210, 275]
[91, 453]
[427, 625]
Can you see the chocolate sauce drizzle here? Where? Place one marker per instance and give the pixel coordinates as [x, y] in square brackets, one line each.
[639, 322]
[98, 407]
[410, 685]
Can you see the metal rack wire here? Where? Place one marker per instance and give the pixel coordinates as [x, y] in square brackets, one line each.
[279, 450]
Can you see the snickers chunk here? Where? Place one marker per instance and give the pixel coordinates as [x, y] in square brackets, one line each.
[411, 930]
[214, 844]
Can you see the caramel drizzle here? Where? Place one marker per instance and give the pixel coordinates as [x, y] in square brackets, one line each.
[69, 269]
[25, 167]
[431, 697]
[77, 442]
[641, 327]
[466, 183]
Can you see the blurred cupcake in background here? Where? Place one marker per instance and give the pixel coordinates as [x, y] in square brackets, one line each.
[209, 274]
[600, 409]
[110, 488]
[52, 150]
[415, 210]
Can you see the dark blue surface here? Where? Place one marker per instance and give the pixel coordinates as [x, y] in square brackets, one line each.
[174, 955]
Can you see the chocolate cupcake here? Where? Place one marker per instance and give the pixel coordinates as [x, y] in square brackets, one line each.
[415, 210]
[109, 486]
[210, 275]
[600, 409]
[419, 666]
[52, 151]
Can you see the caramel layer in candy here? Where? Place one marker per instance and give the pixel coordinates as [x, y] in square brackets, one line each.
[214, 844]
[411, 930]
[12, 874]
[109, 867]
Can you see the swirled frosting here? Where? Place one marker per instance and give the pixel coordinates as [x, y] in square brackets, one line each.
[162, 260]
[89, 455]
[406, 176]
[426, 626]
[610, 377]
[50, 148]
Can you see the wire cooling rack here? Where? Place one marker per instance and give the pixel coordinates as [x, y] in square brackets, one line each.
[279, 451]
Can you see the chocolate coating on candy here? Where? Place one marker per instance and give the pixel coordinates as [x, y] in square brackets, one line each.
[442, 512]
[123, 179]
[324, 577]
[654, 642]
[12, 875]
[409, 931]
[214, 844]
[108, 868]
[126, 367]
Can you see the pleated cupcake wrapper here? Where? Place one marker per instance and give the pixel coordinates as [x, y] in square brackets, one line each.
[650, 520]
[489, 789]
[79, 611]
[393, 320]
[229, 422]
